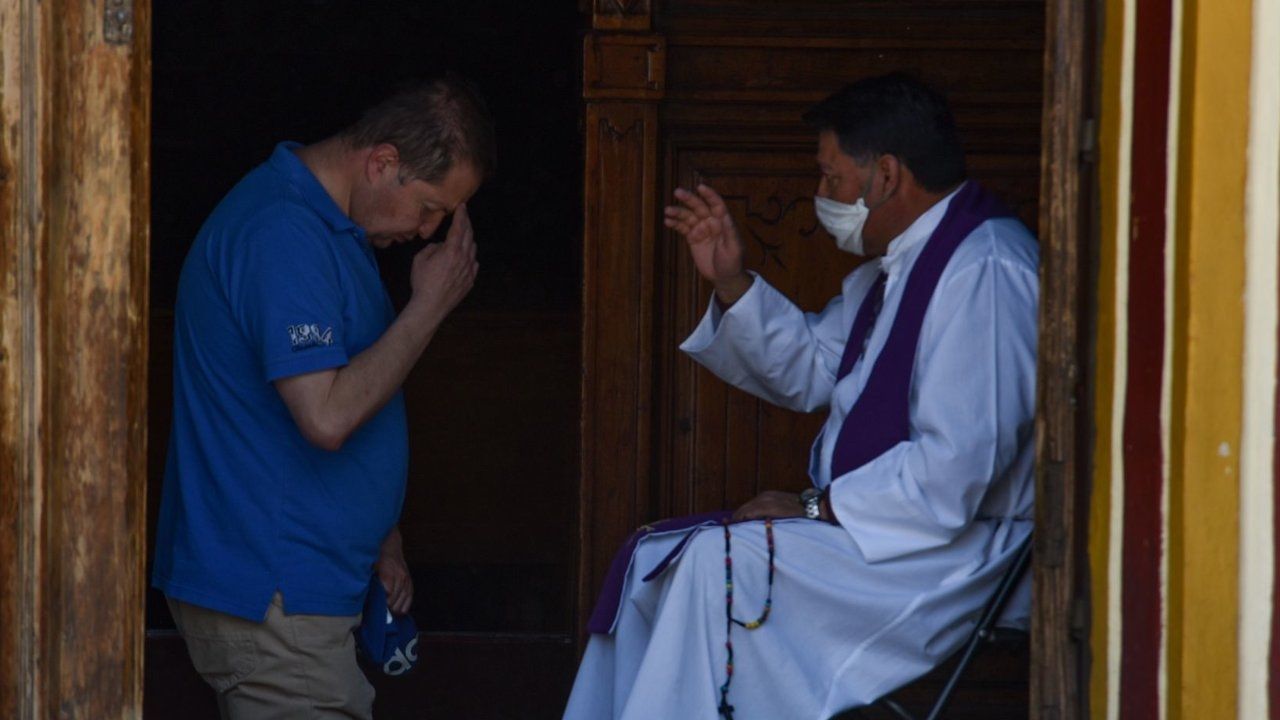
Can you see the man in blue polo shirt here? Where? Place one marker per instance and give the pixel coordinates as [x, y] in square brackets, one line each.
[287, 458]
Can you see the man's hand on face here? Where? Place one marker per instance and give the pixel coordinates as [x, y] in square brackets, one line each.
[394, 574]
[770, 504]
[443, 274]
[706, 224]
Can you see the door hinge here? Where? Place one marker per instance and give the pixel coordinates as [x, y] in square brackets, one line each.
[1088, 141]
[117, 22]
[1080, 619]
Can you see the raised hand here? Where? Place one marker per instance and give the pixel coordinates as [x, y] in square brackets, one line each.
[443, 274]
[714, 243]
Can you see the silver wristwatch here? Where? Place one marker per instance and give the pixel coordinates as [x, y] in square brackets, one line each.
[811, 499]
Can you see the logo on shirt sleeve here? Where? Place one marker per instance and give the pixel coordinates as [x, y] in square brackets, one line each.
[309, 335]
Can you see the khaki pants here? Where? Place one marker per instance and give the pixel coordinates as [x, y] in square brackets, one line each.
[286, 667]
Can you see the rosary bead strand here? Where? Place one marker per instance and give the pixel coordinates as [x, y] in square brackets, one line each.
[725, 709]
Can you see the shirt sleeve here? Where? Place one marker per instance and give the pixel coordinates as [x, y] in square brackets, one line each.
[767, 346]
[286, 293]
[973, 400]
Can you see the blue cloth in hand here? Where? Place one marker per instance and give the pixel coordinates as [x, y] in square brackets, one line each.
[390, 641]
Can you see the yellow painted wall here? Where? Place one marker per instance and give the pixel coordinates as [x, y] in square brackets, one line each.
[1104, 369]
[1207, 363]
[1207, 355]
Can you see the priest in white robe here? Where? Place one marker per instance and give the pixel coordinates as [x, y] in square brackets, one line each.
[922, 474]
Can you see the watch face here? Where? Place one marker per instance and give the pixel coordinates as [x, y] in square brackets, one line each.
[811, 499]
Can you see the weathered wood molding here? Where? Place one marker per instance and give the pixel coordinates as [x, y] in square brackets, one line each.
[618, 247]
[628, 15]
[1057, 688]
[624, 78]
[624, 67]
[73, 291]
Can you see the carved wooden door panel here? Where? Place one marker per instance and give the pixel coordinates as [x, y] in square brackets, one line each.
[712, 91]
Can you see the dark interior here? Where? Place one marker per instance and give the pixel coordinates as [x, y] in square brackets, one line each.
[489, 521]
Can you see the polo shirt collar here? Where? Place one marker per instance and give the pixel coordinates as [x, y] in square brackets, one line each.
[285, 161]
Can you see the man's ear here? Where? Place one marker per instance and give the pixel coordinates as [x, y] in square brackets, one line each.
[889, 169]
[382, 159]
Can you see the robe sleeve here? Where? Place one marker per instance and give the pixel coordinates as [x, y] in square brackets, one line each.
[972, 400]
[766, 346]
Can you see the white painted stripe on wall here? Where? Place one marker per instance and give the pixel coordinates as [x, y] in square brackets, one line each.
[1262, 228]
[1124, 173]
[1166, 370]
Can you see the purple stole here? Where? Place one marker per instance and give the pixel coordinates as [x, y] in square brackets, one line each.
[606, 610]
[878, 420]
[881, 416]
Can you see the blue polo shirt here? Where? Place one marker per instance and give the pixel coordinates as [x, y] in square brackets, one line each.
[279, 282]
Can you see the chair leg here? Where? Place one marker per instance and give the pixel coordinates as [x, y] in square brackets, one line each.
[894, 707]
[983, 632]
[970, 648]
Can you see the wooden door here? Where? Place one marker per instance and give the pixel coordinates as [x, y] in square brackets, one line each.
[74, 115]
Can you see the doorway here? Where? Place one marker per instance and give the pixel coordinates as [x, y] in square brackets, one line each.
[70, 613]
[490, 510]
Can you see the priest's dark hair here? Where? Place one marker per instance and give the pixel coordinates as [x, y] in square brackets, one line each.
[895, 114]
[432, 124]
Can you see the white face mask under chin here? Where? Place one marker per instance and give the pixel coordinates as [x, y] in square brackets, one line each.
[843, 221]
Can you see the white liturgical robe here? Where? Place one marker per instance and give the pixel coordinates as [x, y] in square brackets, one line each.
[926, 529]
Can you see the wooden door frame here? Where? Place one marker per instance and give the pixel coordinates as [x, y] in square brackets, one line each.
[622, 87]
[74, 213]
[1060, 613]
